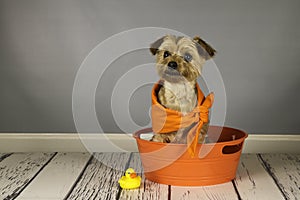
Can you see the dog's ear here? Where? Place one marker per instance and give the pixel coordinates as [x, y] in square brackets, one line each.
[204, 49]
[154, 46]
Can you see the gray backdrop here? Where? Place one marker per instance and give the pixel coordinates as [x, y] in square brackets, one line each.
[43, 43]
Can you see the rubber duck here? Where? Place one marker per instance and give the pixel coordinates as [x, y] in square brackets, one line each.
[131, 180]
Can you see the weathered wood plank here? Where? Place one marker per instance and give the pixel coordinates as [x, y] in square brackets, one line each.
[253, 181]
[17, 171]
[100, 179]
[57, 178]
[285, 169]
[221, 191]
[148, 189]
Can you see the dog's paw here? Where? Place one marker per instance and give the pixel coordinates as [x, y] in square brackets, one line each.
[164, 138]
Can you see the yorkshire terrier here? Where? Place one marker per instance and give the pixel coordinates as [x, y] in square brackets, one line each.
[179, 62]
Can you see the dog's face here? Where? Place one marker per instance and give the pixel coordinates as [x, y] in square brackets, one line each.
[180, 59]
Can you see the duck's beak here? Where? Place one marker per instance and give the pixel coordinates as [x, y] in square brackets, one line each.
[133, 175]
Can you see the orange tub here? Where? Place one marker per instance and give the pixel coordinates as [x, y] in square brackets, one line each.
[171, 164]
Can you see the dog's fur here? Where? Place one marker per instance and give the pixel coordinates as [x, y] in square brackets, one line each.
[178, 90]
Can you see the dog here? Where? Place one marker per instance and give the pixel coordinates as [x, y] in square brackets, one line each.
[179, 62]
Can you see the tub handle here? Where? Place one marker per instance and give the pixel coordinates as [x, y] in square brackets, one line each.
[235, 147]
[138, 133]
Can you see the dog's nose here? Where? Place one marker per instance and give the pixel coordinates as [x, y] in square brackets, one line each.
[172, 65]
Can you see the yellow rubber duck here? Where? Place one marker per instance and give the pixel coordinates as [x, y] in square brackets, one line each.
[131, 180]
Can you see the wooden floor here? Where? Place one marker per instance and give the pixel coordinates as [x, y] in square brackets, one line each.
[82, 176]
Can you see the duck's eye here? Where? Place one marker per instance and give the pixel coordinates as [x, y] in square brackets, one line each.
[128, 172]
[188, 57]
[166, 54]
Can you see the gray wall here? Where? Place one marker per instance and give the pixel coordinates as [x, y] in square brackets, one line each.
[43, 43]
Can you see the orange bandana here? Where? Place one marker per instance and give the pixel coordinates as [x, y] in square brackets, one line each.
[165, 120]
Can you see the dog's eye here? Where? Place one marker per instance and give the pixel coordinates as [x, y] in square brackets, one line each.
[166, 54]
[188, 57]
